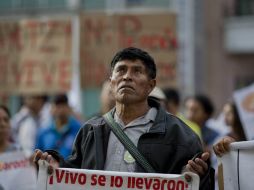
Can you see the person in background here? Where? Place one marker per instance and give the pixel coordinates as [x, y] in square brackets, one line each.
[159, 96]
[5, 131]
[199, 109]
[107, 98]
[10, 150]
[222, 146]
[173, 106]
[232, 120]
[163, 139]
[27, 122]
[107, 101]
[60, 134]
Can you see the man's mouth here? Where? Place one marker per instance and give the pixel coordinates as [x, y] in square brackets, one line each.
[126, 87]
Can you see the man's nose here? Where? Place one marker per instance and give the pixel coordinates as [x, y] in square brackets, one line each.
[127, 75]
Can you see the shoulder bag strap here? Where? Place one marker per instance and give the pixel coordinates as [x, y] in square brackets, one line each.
[128, 144]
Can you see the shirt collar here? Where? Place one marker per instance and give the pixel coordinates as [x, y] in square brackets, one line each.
[143, 120]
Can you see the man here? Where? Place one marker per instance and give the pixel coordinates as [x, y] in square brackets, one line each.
[166, 142]
[61, 132]
[26, 123]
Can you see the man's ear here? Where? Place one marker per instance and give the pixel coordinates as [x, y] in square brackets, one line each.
[152, 84]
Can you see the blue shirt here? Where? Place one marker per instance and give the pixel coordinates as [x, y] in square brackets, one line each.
[209, 135]
[59, 140]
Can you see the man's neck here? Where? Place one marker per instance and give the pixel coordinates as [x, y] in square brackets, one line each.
[60, 123]
[128, 113]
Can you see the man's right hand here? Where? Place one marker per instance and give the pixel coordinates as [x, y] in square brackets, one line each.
[222, 146]
[39, 155]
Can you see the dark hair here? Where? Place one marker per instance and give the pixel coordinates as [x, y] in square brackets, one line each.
[205, 102]
[237, 125]
[3, 107]
[132, 53]
[172, 95]
[60, 99]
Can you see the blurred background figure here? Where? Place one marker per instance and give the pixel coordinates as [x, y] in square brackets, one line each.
[33, 115]
[107, 98]
[159, 96]
[107, 101]
[5, 131]
[199, 109]
[232, 120]
[22, 178]
[173, 102]
[60, 134]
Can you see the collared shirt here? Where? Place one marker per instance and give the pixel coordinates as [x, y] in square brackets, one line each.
[116, 152]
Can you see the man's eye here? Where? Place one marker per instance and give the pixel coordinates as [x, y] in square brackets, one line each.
[120, 70]
[138, 71]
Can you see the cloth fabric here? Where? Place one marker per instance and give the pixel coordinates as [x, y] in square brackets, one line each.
[167, 146]
[27, 134]
[209, 135]
[191, 124]
[59, 140]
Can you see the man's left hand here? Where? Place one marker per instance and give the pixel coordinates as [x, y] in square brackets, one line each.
[198, 165]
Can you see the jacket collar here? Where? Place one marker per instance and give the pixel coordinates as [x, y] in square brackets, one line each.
[159, 125]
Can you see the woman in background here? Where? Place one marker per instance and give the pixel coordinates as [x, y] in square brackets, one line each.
[232, 119]
[5, 131]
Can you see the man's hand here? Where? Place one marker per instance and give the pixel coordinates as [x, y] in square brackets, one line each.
[222, 146]
[198, 165]
[39, 155]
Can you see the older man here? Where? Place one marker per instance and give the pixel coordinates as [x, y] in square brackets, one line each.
[166, 142]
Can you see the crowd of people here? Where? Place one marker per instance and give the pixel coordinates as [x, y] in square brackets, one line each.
[40, 123]
[173, 128]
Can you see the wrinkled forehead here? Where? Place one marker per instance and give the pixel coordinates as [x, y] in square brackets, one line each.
[130, 63]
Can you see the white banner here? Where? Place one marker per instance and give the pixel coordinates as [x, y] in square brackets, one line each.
[236, 168]
[244, 99]
[81, 179]
[16, 173]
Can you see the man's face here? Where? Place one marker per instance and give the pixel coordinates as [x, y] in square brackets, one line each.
[34, 103]
[195, 112]
[130, 82]
[60, 111]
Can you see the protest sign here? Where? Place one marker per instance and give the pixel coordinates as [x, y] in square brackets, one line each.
[103, 34]
[81, 179]
[35, 55]
[16, 172]
[244, 99]
[236, 167]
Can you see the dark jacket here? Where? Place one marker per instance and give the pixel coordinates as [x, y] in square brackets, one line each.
[167, 146]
